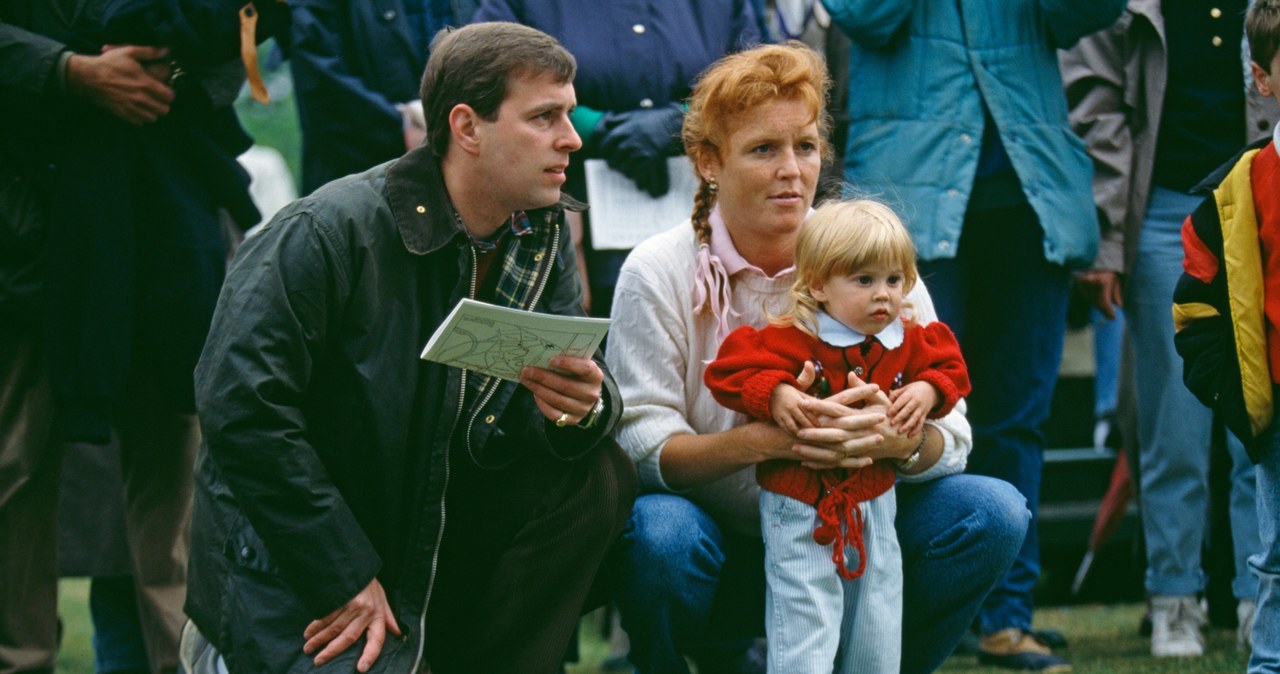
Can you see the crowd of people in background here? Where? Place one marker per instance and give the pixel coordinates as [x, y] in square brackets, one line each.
[731, 470]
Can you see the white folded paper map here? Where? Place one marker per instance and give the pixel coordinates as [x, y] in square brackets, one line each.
[499, 341]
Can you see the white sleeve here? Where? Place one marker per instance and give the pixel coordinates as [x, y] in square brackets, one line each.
[647, 356]
[957, 436]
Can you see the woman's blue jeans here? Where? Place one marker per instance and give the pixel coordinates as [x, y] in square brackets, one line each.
[685, 586]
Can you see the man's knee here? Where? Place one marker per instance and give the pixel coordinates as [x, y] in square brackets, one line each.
[610, 485]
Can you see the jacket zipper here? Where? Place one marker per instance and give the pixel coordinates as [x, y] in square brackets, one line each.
[537, 294]
[435, 552]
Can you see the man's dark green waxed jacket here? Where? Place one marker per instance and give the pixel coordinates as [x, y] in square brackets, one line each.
[325, 453]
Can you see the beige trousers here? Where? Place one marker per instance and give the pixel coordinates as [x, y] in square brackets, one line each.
[157, 453]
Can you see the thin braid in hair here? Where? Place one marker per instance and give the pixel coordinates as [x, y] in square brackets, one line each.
[703, 201]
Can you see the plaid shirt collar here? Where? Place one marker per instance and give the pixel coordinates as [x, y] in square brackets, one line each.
[415, 192]
[519, 226]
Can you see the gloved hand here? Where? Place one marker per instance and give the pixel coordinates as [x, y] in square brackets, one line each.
[637, 143]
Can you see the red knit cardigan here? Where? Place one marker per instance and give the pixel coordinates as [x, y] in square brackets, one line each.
[750, 363]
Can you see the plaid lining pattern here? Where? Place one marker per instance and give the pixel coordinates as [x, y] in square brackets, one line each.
[521, 263]
[524, 258]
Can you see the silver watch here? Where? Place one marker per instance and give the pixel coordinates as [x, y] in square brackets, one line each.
[904, 465]
[594, 415]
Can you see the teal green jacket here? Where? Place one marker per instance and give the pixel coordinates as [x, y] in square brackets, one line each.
[920, 73]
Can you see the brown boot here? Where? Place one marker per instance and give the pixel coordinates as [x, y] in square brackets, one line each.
[1015, 648]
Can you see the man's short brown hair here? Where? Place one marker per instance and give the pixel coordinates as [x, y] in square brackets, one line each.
[475, 64]
[1262, 25]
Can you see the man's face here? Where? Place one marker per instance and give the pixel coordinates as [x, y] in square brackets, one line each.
[524, 151]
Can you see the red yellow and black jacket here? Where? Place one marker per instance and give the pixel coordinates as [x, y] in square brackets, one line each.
[1220, 313]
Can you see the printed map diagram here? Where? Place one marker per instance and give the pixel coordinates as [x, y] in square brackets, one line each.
[499, 341]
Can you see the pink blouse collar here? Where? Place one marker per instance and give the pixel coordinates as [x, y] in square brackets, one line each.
[716, 262]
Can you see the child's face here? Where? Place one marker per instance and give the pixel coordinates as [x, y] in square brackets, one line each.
[867, 300]
[1268, 81]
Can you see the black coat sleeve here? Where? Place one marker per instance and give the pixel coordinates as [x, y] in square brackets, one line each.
[269, 329]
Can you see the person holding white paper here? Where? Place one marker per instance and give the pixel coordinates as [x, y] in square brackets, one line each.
[358, 508]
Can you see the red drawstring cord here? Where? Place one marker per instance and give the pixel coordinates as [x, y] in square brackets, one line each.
[841, 525]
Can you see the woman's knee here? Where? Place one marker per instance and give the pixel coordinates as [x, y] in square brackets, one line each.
[668, 537]
[1002, 510]
[960, 512]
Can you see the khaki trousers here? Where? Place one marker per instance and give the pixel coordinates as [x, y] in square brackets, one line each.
[157, 452]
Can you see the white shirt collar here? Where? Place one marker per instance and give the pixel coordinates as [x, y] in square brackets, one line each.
[839, 335]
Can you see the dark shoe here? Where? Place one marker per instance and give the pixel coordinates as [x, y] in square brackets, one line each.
[1014, 648]
[1051, 638]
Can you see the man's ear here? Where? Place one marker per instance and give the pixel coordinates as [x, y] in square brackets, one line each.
[1260, 79]
[464, 128]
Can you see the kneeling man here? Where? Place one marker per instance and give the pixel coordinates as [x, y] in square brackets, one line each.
[358, 508]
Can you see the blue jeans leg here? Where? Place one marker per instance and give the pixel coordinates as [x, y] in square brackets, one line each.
[118, 643]
[1243, 508]
[959, 535]
[685, 586]
[1174, 429]
[1007, 305]
[1108, 337]
[1266, 625]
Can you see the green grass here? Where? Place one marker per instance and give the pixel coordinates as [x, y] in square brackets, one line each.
[275, 124]
[76, 655]
[1104, 639]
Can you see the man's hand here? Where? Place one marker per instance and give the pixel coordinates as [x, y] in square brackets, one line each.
[911, 404]
[568, 393]
[367, 614]
[1104, 290]
[124, 81]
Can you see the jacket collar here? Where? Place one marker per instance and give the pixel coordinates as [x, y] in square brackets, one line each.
[421, 207]
[1148, 11]
[1211, 181]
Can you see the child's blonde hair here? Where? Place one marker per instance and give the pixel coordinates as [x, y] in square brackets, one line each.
[840, 238]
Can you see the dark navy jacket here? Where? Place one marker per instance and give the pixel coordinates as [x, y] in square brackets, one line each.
[352, 61]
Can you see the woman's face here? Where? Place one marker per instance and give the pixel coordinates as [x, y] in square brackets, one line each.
[767, 171]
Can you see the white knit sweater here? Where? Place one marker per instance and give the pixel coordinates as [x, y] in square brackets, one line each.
[658, 350]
